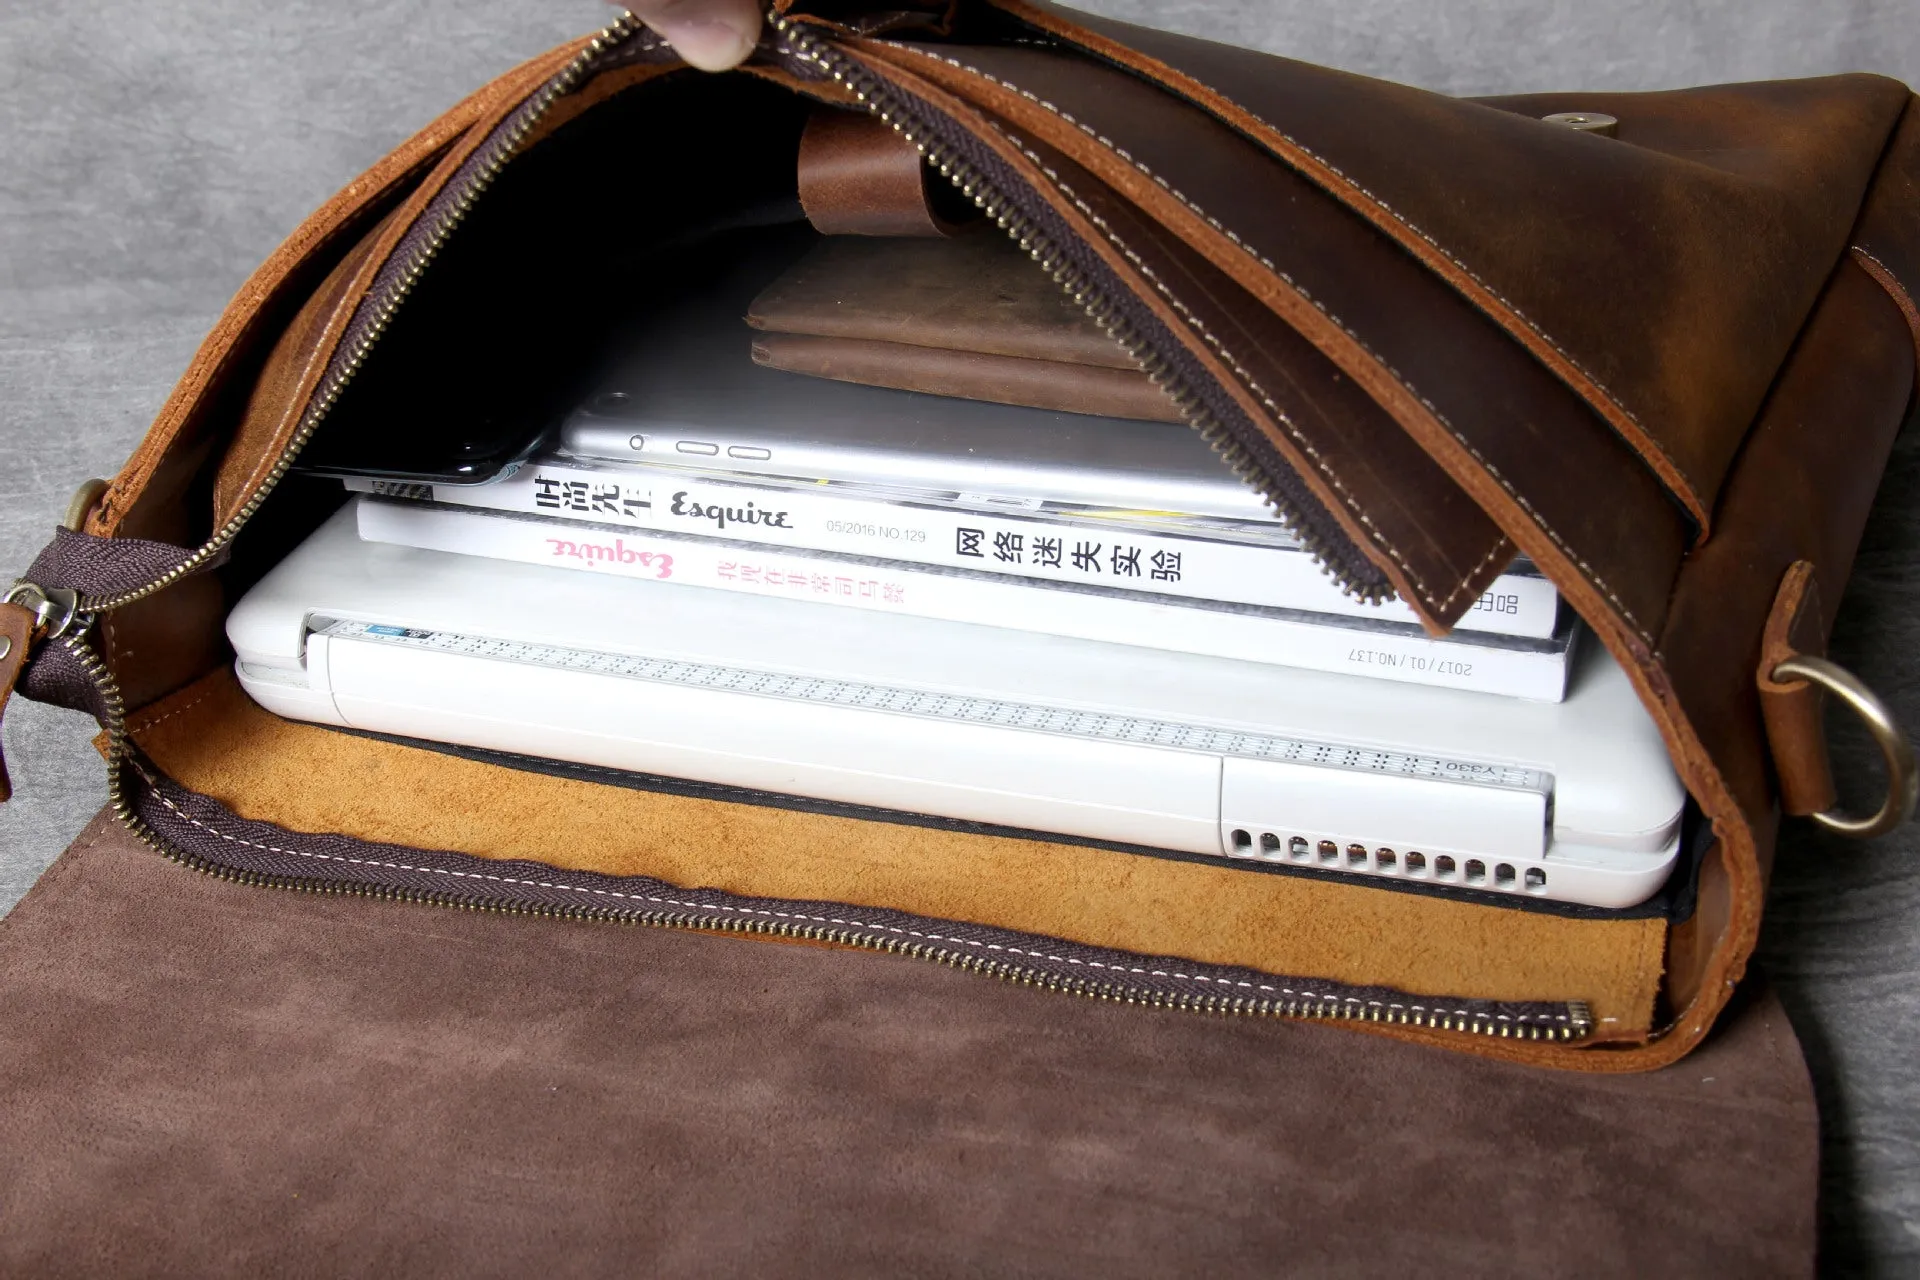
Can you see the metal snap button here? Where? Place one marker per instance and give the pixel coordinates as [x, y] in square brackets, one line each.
[1585, 122]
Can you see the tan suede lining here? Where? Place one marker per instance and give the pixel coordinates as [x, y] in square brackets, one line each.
[211, 738]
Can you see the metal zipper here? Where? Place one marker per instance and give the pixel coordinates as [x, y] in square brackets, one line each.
[1575, 1022]
[341, 373]
[882, 101]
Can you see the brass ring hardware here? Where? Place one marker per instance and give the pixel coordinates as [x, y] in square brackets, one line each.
[1903, 778]
[81, 505]
[53, 608]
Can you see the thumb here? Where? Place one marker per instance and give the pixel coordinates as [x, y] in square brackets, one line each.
[712, 35]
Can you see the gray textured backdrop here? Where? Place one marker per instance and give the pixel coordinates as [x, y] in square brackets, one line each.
[151, 154]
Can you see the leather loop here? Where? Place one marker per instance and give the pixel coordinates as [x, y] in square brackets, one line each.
[1793, 709]
[860, 178]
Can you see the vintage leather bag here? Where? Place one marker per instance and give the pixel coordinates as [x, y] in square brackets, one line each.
[1666, 363]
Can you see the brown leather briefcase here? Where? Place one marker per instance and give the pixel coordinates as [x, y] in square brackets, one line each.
[1658, 343]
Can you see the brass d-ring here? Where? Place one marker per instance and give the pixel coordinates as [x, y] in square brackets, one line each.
[1903, 778]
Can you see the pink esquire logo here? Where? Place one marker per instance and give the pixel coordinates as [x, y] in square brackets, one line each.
[594, 554]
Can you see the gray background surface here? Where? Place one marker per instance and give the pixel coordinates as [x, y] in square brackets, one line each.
[152, 154]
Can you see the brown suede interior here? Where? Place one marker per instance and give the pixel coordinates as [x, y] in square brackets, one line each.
[211, 738]
[200, 1078]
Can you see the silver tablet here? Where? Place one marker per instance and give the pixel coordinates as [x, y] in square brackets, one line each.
[693, 397]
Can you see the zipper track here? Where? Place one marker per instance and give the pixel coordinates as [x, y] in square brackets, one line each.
[383, 309]
[1319, 1010]
[1349, 568]
[1574, 1022]
[889, 106]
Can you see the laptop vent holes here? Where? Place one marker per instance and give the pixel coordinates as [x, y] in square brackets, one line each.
[1410, 864]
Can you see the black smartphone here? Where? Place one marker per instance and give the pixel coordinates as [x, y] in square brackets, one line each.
[426, 444]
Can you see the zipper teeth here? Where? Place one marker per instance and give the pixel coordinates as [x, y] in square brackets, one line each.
[1047, 255]
[342, 373]
[1579, 1021]
[113, 717]
[882, 102]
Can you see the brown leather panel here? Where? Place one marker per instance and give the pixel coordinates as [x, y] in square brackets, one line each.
[202, 1078]
[1796, 731]
[969, 375]
[167, 640]
[1441, 549]
[1896, 290]
[1692, 945]
[976, 292]
[212, 739]
[307, 348]
[17, 625]
[858, 177]
[1799, 491]
[180, 421]
[1663, 274]
[1447, 374]
[1381, 488]
[1887, 240]
[294, 367]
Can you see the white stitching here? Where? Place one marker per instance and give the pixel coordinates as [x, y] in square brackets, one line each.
[1426, 594]
[1240, 371]
[1533, 328]
[133, 729]
[837, 920]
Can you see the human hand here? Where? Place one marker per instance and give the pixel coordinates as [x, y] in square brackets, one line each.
[712, 35]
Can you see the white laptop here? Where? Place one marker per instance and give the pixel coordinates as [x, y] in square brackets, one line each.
[1573, 802]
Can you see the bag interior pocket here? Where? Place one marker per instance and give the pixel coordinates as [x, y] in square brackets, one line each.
[582, 237]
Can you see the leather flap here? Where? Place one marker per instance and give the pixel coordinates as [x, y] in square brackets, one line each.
[1662, 273]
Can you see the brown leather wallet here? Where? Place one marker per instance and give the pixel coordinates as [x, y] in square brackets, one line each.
[1666, 365]
[966, 317]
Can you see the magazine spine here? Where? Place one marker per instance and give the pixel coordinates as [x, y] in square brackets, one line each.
[1032, 545]
[1516, 668]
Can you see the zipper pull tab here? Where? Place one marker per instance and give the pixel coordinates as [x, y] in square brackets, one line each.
[28, 615]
